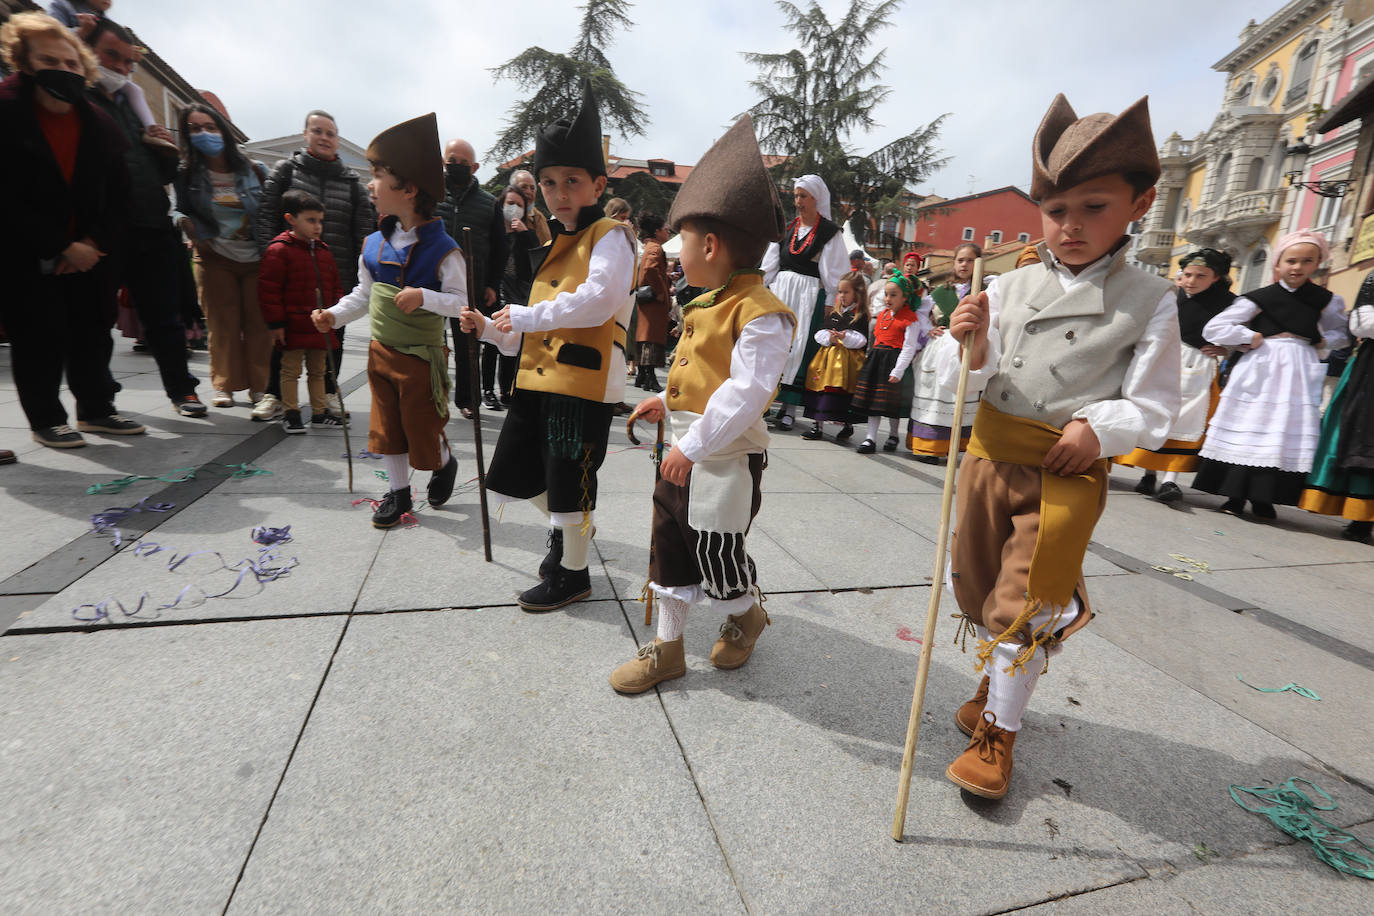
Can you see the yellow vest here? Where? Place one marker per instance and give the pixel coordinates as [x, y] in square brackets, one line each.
[711, 325]
[571, 361]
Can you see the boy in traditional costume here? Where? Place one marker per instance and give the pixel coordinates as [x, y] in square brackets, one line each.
[1085, 352]
[411, 277]
[571, 343]
[1204, 291]
[735, 340]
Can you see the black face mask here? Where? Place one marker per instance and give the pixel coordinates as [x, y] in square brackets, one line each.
[62, 85]
[458, 173]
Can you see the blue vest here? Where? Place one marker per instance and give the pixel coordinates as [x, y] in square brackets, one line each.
[416, 265]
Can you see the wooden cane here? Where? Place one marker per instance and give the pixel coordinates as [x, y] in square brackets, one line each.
[334, 374]
[657, 458]
[474, 383]
[913, 725]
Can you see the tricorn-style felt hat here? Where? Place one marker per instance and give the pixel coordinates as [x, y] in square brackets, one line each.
[573, 142]
[1069, 150]
[730, 184]
[411, 150]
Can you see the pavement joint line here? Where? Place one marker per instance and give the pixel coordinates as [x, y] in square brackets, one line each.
[57, 570]
[305, 723]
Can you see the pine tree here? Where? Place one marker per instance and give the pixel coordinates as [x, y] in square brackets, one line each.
[556, 82]
[821, 93]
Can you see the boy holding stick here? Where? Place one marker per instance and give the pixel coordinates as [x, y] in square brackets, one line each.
[1082, 356]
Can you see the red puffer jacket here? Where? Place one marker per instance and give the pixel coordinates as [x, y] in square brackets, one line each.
[290, 274]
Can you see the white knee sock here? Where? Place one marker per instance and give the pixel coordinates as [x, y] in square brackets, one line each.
[873, 427]
[1171, 477]
[1010, 694]
[444, 453]
[672, 617]
[397, 470]
[788, 410]
[575, 545]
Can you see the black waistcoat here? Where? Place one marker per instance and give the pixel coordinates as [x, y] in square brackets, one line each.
[1293, 312]
[805, 260]
[1195, 311]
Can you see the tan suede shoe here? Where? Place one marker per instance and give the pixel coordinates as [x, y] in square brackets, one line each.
[970, 714]
[655, 663]
[984, 768]
[737, 638]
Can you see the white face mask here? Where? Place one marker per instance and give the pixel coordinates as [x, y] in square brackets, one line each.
[110, 81]
[513, 211]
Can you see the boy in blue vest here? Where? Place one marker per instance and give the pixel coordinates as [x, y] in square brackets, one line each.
[411, 277]
[571, 341]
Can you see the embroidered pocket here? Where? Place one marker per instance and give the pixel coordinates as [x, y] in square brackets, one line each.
[580, 355]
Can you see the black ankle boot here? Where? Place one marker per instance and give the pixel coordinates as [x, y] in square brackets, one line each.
[554, 558]
[441, 483]
[562, 588]
[394, 504]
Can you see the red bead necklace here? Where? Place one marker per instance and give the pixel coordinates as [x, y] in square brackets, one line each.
[792, 245]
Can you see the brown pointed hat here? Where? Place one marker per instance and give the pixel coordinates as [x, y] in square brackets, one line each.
[1069, 150]
[411, 150]
[730, 184]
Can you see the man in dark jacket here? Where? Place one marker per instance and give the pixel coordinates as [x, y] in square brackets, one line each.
[465, 204]
[349, 217]
[65, 202]
[153, 260]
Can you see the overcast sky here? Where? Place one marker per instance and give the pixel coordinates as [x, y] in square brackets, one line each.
[995, 66]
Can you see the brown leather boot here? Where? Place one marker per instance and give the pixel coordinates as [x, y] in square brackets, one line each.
[737, 638]
[970, 713]
[984, 768]
[655, 663]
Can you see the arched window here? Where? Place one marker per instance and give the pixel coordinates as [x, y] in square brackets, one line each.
[1223, 175]
[1252, 180]
[1256, 271]
[1301, 79]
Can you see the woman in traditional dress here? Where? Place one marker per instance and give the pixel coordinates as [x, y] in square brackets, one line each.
[932, 407]
[804, 271]
[1204, 292]
[1342, 478]
[1263, 436]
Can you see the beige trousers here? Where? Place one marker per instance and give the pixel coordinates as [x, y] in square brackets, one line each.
[240, 342]
[291, 361]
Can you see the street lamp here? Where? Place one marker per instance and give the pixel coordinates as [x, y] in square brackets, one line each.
[1297, 160]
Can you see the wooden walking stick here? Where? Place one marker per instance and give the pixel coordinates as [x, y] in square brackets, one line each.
[332, 369]
[657, 458]
[913, 725]
[474, 383]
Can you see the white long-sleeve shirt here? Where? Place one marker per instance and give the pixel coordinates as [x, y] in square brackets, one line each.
[833, 262]
[912, 340]
[448, 300]
[1149, 400]
[756, 363]
[850, 340]
[1228, 328]
[588, 305]
[1362, 321]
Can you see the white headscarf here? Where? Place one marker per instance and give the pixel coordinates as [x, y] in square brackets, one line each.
[813, 185]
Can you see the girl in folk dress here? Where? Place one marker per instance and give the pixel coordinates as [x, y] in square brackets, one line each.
[834, 371]
[1263, 436]
[804, 270]
[885, 382]
[932, 407]
[1204, 291]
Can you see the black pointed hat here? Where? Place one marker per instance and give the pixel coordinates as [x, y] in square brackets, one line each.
[730, 184]
[411, 150]
[574, 142]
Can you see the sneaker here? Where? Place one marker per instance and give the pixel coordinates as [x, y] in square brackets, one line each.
[255, 396]
[867, 447]
[653, 664]
[562, 588]
[1169, 492]
[325, 418]
[60, 436]
[489, 399]
[113, 425]
[394, 504]
[814, 433]
[846, 433]
[222, 399]
[334, 404]
[269, 407]
[441, 483]
[554, 558]
[189, 406]
[891, 444]
[1146, 485]
[291, 422]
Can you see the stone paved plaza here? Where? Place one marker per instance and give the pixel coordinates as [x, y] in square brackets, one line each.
[383, 730]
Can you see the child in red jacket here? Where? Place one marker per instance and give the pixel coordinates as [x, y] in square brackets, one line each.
[298, 276]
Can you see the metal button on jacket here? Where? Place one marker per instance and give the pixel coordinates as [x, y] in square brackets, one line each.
[1068, 335]
[1017, 362]
[682, 362]
[1039, 405]
[1032, 329]
[539, 370]
[689, 330]
[673, 392]
[1005, 396]
[553, 282]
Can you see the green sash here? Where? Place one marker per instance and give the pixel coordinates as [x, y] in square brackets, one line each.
[420, 334]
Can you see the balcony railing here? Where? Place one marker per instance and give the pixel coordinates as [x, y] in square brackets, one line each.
[1154, 246]
[1246, 207]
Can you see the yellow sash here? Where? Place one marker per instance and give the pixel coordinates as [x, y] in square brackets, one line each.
[1068, 514]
